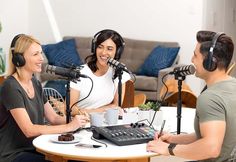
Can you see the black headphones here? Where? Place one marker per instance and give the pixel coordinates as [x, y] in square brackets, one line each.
[17, 58]
[119, 50]
[210, 62]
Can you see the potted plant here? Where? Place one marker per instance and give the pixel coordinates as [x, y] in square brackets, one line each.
[2, 57]
[2, 62]
[148, 110]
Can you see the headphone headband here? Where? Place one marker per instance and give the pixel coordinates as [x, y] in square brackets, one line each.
[106, 30]
[214, 40]
[210, 63]
[119, 49]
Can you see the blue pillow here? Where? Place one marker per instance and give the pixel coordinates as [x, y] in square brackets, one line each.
[160, 58]
[62, 54]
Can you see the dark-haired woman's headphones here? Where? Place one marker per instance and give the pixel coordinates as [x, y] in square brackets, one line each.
[210, 62]
[17, 58]
[119, 50]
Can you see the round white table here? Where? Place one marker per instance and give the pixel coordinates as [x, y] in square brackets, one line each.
[132, 153]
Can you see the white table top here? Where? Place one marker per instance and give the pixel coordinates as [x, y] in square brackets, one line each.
[44, 142]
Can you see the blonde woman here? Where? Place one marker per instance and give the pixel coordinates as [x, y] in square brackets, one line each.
[23, 105]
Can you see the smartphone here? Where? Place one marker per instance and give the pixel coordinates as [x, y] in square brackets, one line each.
[88, 145]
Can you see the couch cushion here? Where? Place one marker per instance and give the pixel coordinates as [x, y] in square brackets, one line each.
[146, 83]
[62, 54]
[160, 58]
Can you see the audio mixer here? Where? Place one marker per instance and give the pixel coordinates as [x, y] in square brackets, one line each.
[127, 134]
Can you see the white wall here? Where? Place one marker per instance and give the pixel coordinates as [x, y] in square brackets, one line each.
[162, 20]
[14, 16]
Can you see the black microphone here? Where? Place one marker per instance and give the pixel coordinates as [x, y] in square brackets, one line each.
[72, 73]
[117, 65]
[184, 70]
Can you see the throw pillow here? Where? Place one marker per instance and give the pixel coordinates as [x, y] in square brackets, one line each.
[62, 54]
[160, 58]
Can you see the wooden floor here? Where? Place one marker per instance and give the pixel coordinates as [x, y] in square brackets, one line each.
[167, 159]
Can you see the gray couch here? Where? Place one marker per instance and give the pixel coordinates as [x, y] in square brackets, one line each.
[136, 51]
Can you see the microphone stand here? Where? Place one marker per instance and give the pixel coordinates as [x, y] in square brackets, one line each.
[119, 73]
[179, 101]
[68, 110]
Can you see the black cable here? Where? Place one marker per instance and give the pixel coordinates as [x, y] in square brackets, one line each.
[103, 143]
[84, 97]
[159, 103]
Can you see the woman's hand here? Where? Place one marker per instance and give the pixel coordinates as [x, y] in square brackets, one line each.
[78, 121]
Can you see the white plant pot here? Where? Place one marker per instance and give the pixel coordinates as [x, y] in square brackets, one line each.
[158, 118]
[143, 115]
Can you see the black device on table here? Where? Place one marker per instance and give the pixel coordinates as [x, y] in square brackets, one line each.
[127, 134]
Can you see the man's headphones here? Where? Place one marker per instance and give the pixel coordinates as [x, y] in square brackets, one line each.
[210, 62]
[17, 58]
[119, 50]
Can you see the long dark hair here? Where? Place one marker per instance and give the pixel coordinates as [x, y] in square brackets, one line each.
[98, 39]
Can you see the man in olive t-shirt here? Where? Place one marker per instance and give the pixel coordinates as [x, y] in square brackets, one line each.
[214, 139]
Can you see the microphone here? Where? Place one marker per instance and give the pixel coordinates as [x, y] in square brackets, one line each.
[72, 73]
[117, 65]
[184, 70]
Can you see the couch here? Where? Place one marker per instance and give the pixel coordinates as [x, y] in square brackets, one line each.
[134, 55]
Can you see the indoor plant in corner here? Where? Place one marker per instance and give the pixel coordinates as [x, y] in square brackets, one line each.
[2, 58]
[147, 111]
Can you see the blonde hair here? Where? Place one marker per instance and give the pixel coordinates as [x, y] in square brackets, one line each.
[22, 43]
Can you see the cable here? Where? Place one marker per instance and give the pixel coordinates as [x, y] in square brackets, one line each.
[85, 96]
[159, 103]
[103, 143]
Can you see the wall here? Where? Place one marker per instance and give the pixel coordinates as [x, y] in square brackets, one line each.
[14, 16]
[162, 20]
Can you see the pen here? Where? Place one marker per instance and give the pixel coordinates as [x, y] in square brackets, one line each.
[88, 145]
[162, 127]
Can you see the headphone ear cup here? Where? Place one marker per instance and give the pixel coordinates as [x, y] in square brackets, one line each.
[18, 59]
[210, 65]
[93, 46]
[213, 64]
[119, 52]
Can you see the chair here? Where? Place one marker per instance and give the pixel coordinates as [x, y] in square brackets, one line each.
[189, 99]
[130, 98]
[230, 68]
[139, 99]
[55, 99]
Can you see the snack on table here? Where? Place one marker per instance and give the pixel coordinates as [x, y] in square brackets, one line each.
[66, 137]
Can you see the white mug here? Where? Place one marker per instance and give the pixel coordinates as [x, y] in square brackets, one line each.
[111, 116]
[96, 119]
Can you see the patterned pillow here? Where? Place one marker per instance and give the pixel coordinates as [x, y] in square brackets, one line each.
[160, 58]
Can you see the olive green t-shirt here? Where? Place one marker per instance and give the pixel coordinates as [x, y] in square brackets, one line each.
[12, 139]
[218, 102]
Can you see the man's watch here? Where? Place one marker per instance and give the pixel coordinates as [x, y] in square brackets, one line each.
[171, 148]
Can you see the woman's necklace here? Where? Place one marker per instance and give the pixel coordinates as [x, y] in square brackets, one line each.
[26, 88]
